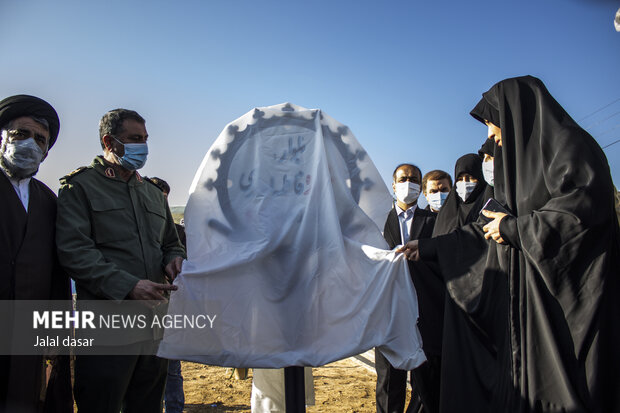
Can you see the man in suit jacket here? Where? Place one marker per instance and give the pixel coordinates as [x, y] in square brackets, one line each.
[408, 222]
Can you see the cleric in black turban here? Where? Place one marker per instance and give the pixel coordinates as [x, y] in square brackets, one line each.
[29, 268]
[24, 105]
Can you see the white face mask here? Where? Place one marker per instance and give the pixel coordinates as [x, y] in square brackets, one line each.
[464, 189]
[407, 192]
[487, 171]
[20, 158]
[436, 200]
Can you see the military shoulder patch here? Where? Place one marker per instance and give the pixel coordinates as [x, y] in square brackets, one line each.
[150, 181]
[72, 174]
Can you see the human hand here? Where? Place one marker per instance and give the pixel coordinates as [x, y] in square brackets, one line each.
[410, 250]
[147, 290]
[491, 230]
[173, 268]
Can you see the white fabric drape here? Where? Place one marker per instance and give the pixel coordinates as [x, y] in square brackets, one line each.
[268, 390]
[285, 251]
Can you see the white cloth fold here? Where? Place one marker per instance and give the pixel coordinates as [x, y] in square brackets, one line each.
[285, 251]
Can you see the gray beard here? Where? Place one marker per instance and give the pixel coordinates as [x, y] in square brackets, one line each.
[13, 171]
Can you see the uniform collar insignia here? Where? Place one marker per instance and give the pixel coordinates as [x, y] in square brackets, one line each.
[138, 177]
[109, 172]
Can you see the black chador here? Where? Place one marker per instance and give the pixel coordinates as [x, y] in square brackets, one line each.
[543, 306]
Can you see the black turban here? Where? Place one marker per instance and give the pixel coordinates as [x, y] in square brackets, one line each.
[24, 105]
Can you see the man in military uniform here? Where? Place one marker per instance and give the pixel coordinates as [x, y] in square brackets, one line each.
[116, 238]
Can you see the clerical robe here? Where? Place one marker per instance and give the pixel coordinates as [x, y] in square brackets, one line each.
[28, 271]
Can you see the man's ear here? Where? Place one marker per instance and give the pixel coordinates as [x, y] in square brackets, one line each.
[107, 142]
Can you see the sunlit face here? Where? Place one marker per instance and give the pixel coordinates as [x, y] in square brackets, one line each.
[433, 186]
[24, 127]
[406, 174]
[487, 158]
[131, 131]
[495, 133]
[465, 177]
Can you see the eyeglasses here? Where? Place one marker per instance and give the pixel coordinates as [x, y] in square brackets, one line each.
[21, 134]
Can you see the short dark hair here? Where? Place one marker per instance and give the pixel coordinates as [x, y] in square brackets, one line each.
[112, 122]
[435, 175]
[406, 164]
[161, 184]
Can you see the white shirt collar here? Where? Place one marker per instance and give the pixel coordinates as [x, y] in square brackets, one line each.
[22, 188]
[411, 209]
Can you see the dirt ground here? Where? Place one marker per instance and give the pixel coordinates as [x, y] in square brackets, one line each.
[344, 386]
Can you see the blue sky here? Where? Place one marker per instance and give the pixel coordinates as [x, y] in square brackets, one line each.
[403, 75]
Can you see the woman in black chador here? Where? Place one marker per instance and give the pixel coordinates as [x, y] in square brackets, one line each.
[546, 304]
[457, 211]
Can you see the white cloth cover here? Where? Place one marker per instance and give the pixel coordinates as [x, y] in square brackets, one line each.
[284, 249]
[268, 390]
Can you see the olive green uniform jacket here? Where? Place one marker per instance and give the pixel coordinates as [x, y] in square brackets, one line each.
[110, 233]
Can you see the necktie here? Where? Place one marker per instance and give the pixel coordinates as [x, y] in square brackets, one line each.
[404, 228]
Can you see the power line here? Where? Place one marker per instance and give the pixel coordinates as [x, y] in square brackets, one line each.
[609, 130]
[598, 110]
[606, 146]
[602, 120]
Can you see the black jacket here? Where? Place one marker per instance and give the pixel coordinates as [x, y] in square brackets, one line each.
[429, 286]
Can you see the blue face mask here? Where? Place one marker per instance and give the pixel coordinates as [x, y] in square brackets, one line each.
[436, 200]
[135, 155]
